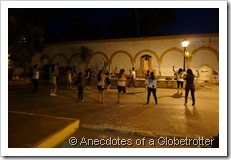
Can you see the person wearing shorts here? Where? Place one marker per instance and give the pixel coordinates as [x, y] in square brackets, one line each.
[101, 86]
[53, 75]
[180, 80]
[121, 83]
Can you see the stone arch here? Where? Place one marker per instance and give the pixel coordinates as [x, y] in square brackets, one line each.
[43, 58]
[206, 48]
[59, 54]
[72, 56]
[146, 50]
[77, 62]
[169, 50]
[95, 53]
[120, 51]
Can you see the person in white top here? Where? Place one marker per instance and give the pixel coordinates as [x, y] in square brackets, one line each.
[35, 78]
[180, 80]
[101, 86]
[133, 78]
[151, 81]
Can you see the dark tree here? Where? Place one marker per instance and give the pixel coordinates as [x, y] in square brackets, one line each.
[26, 33]
[143, 22]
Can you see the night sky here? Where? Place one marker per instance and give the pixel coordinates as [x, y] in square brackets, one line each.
[195, 21]
[188, 20]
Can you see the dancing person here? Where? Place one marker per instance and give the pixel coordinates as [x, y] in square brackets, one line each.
[108, 80]
[53, 75]
[190, 86]
[101, 86]
[121, 83]
[146, 76]
[35, 78]
[69, 78]
[151, 81]
[133, 78]
[180, 80]
[89, 73]
[80, 86]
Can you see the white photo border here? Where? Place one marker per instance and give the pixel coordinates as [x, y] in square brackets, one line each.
[221, 151]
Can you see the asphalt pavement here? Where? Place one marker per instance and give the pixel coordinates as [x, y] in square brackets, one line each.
[39, 120]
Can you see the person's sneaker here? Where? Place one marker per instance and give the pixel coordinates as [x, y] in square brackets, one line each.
[147, 102]
[54, 94]
[193, 104]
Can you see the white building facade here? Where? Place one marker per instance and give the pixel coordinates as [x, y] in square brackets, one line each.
[158, 54]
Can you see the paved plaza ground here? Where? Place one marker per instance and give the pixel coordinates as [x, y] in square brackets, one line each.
[33, 118]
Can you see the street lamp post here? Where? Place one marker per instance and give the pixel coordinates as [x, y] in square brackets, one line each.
[185, 45]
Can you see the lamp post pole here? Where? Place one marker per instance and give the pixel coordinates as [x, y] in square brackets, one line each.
[184, 59]
[185, 45]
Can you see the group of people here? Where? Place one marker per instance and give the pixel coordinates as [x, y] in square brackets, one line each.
[104, 82]
[190, 86]
[121, 84]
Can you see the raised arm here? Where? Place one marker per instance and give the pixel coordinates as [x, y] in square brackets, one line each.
[173, 69]
[198, 75]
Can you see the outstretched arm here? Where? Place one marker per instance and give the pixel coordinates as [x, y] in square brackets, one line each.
[198, 75]
[173, 69]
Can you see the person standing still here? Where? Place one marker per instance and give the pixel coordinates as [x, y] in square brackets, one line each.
[80, 85]
[151, 81]
[190, 86]
[35, 78]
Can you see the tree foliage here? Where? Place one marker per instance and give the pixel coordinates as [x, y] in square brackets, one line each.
[143, 22]
[26, 33]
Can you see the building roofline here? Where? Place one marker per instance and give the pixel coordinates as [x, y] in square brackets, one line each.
[138, 39]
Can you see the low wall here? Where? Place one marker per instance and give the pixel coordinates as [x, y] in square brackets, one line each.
[19, 82]
[161, 83]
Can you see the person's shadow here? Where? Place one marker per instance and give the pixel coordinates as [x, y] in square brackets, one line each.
[192, 114]
[177, 95]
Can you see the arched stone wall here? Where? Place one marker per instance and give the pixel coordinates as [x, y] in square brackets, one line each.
[76, 61]
[200, 58]
[121, 59]
[154, 61]
[207, 48]
[169, 58]
[57, 58]
[98, 60]
[145, 51]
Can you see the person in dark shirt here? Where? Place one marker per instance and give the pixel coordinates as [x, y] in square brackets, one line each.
[190, 86]
[89, 73]
[80, 85]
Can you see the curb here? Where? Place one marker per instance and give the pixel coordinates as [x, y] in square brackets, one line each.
[58, 137]
[128, 131]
